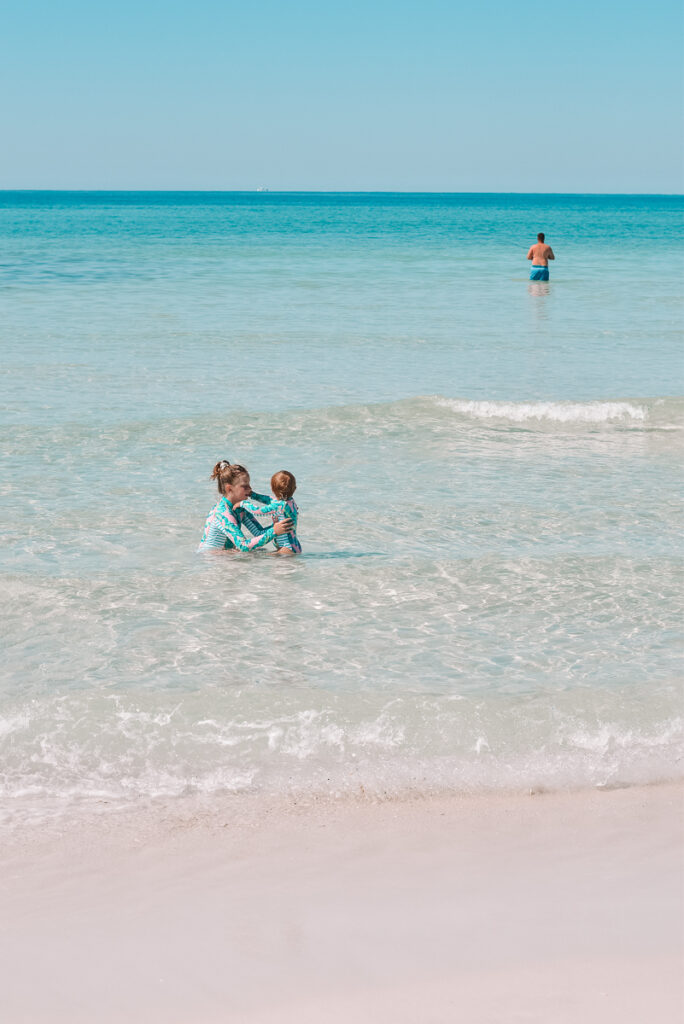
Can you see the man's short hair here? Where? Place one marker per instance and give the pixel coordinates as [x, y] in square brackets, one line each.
[540, 236]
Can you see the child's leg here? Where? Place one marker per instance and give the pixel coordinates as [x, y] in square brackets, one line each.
[288, 544]
[283, 542]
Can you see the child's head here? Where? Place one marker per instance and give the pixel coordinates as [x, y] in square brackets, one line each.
[226, 475]
[283, 484]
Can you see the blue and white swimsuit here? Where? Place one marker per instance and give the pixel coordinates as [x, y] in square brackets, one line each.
[276, 510]
[223, 528]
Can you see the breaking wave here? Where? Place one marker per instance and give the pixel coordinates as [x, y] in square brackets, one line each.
[119, 749]
[553, 412]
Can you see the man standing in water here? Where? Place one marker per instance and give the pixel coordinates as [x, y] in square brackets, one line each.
[540, 254]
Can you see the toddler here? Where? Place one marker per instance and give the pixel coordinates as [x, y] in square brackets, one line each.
[283, 486]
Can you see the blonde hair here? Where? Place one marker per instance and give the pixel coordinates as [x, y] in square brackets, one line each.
[226, 474]
[283, 484]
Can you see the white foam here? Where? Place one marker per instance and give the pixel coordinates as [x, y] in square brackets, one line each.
[554, 412]
[13, 724]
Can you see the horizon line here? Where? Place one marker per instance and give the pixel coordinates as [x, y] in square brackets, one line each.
[262, 190]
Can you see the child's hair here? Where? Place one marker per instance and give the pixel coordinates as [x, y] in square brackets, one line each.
[283, 484]
[225, 474]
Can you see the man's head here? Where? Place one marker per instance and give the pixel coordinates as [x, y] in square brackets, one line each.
[540, 236]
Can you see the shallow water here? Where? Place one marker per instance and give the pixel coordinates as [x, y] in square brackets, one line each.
[489, 482]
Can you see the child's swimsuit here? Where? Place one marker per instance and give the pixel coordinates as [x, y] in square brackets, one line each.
[222, 528]
[277, 510]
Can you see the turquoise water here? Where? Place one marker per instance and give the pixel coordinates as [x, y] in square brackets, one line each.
[489, 480]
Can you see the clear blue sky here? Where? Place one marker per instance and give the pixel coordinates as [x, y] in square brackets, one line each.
[574, 96]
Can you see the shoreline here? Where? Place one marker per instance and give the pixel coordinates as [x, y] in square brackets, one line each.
[549, 907]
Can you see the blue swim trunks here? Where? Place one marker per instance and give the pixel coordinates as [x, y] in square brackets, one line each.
[539, 273]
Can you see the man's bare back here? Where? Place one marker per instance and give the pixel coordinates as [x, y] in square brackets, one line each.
[540, 254]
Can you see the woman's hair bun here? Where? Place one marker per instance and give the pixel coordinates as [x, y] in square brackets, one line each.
[223, 464]
[227, 473]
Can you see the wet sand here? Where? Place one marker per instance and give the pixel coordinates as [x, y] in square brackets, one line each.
[552, 908]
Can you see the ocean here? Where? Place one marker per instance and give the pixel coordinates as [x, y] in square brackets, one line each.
[489, 482]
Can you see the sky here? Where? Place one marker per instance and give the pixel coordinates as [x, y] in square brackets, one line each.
[436, 95]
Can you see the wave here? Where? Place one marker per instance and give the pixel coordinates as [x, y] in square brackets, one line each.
[325, 754]
[425, 411]
[434, 420]
[553, 412]
[656, 413]
[71, 750]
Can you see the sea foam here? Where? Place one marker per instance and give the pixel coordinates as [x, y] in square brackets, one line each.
[553, 412]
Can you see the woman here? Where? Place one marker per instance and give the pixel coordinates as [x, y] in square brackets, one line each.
[222, 530]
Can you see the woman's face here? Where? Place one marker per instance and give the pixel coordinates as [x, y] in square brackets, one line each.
[239, 490]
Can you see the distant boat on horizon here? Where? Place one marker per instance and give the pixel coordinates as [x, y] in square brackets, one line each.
[262, 188]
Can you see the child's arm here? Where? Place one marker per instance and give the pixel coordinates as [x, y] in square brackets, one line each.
[263, 510]
[265, 499]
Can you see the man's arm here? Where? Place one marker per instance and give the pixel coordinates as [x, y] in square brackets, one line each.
[549, 253]
[530, 254]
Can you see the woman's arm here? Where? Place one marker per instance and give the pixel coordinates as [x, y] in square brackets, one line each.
[229, 525]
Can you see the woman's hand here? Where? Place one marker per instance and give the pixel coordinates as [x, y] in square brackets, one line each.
[284, 526]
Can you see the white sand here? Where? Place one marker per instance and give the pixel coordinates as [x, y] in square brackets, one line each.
[550, 908]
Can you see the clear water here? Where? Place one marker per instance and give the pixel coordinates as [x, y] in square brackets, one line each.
[489, 480]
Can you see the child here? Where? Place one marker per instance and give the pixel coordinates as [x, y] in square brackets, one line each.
[283, 486]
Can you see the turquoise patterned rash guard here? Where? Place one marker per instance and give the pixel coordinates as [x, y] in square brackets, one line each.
[277, 509]
[223, 528]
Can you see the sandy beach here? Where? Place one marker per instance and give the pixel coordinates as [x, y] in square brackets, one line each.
[537, 908]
